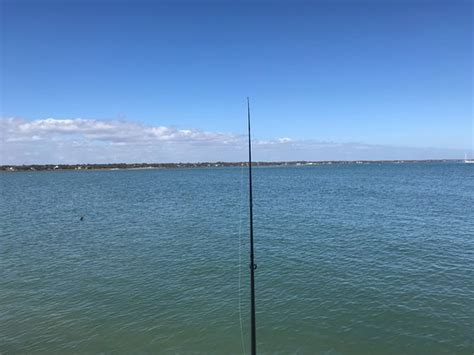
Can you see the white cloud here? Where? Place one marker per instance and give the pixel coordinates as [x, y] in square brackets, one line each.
[99, 141]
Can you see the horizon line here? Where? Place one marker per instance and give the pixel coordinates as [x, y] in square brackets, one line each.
[60, 166]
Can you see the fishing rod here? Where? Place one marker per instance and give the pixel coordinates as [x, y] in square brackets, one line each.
[252, 265]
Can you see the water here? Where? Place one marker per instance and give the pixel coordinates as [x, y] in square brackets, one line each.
[359, 259]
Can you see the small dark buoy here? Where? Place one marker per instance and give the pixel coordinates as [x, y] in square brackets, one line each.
[82, 218]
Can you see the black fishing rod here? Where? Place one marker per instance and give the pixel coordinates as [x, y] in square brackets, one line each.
[253, 266]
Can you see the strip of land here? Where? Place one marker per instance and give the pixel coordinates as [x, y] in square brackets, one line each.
[121, 166]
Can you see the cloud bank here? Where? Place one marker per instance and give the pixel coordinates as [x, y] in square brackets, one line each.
[71, 141]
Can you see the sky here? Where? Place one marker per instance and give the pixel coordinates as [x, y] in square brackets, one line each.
[150, 81]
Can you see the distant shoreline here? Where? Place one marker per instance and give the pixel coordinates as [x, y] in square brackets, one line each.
[144, 166]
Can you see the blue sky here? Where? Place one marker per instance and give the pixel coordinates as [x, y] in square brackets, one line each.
[395, 73]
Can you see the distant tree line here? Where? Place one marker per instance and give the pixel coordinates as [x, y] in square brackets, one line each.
[52, 167]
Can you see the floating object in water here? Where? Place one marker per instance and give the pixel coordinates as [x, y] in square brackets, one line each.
[82, 218]
[468, 161]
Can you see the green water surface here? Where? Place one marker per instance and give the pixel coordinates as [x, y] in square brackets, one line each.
[352, 259]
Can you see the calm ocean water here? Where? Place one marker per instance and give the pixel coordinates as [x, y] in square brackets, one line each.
[359, 259]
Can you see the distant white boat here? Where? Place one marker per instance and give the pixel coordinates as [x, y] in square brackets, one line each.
[468, 161]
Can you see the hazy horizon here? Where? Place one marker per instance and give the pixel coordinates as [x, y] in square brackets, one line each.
[80, 141]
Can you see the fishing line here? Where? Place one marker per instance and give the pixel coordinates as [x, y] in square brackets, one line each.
[240, 259]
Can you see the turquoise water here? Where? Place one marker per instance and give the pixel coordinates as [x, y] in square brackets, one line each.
[359, 259]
